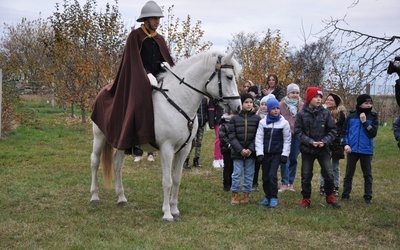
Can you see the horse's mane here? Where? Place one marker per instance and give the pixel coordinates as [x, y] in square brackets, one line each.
[208, 58]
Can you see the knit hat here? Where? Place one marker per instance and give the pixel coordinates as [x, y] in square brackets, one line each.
[337, 99]
[253, 89]
[293, 87]
[245, 96]
[312, 92]
[363, 98]
[272, 103]
[265, 98]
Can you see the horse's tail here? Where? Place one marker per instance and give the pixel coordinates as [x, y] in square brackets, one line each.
[106, 158]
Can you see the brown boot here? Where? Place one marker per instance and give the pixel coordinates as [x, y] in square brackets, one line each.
[245, 199]
[235, 199]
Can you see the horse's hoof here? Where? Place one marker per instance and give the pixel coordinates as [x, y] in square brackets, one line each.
[176, 216]
[168, 219]
[121, 204]
[94, 202]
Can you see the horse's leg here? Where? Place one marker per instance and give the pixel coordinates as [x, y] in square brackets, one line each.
[119, 158]
[98, 144]
[180, 158]
[166, 156]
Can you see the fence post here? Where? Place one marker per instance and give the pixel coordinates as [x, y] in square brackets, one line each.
[1, 95]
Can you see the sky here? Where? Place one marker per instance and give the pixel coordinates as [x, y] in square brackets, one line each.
[221, 19]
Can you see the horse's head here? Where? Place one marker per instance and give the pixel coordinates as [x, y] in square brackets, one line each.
[222, 85]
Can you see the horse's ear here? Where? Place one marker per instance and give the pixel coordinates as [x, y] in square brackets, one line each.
[229, 56]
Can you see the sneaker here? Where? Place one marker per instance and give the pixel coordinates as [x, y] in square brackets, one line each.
[150, 158]
[336, 192]
[290, 188]
[368, 201]
[273, 202]
[322, 191]
[305, 203]
[283, 188]
[186, 164]
[264, 202]
[137, 158]
[216, 164]
[255, 188]
[330, 199]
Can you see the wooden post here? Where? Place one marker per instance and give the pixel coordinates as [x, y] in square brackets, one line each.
[1, 95]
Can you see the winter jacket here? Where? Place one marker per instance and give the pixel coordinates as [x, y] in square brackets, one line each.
[202, 112]
[215, 113]
[242, 133]
[337, 150]
[314, 125]
[273, 138]
[279, 93]
[225, 144]
[285, 112]
[359, 136]
[396, 129]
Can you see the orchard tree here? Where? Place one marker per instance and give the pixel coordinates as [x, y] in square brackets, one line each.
[262, 55]
[85, 52]
[183, 39]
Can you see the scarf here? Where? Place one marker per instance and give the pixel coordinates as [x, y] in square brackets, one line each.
[292, 105]
[147, 33]
[272, 119]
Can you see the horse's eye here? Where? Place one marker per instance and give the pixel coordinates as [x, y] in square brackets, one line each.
[229, 78]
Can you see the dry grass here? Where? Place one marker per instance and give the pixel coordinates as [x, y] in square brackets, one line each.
[44, 200]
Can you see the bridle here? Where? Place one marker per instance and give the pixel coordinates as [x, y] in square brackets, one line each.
[221, 98]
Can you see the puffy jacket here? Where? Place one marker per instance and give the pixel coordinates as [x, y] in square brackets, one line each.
[359, 136]
[396, 129]
[242, 133]
[337, 150]
[215, 113]
[314, 125]
[273, 138]
[202, 112]
[225, 144]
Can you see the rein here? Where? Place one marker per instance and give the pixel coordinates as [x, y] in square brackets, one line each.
[190, 122]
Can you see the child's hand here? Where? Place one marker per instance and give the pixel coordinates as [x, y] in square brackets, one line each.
[321, 144]
[363, 117]
[347, 149]
[315, 144]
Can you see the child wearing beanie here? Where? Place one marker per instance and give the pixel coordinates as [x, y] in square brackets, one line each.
[333, 104]
[359, 131]
[316, 130]
[272, 149]
[262, 112]
[242, 132]
[291, 104]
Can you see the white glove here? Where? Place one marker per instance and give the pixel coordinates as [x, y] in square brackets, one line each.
[152, 79]
[166, 65]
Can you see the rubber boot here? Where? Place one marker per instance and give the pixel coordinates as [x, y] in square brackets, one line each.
[186, 164]
[196, 162]
[235, 199]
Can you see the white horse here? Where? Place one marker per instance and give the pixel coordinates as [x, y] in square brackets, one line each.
[175, 102]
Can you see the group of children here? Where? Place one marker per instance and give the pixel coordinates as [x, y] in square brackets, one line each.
[319, 133]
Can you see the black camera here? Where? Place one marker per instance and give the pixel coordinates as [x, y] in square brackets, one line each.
[394, 67]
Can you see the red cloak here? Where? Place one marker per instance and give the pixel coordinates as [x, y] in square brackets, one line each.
[123, 110]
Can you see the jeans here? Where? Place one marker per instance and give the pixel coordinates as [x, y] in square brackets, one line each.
[270, 167]
[288, 170]
[323, 158]
[240, 167]
[366, 167]
[336, 173]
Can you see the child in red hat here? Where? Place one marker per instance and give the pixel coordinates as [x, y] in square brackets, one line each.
[316, 130]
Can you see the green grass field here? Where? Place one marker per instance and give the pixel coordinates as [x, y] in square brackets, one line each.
[44, 200]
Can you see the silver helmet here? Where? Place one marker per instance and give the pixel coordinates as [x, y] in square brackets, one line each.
[150, 9]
